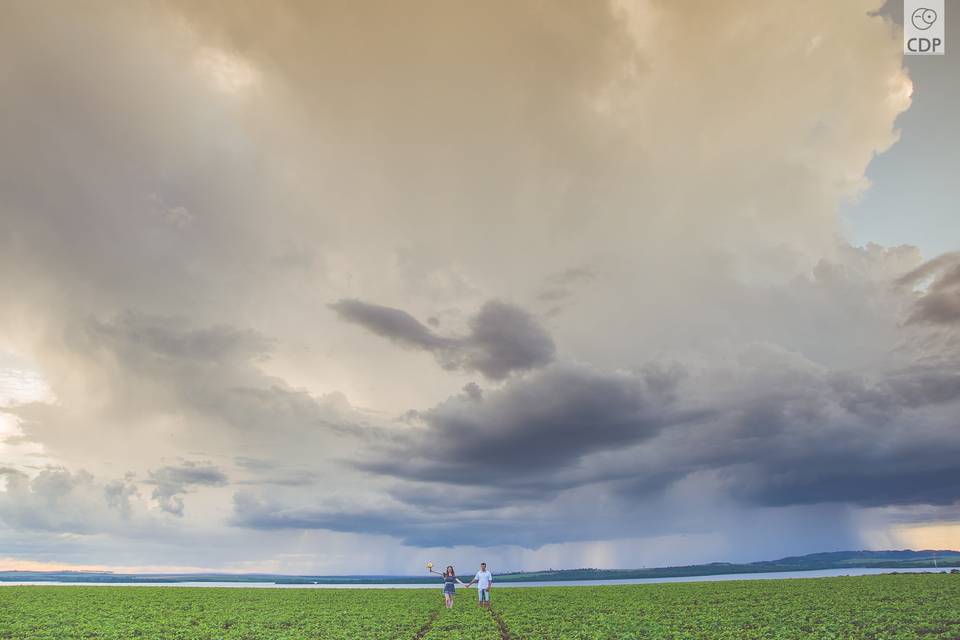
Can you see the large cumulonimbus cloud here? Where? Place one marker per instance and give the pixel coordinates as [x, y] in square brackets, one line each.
[503, 338]
[627, 269]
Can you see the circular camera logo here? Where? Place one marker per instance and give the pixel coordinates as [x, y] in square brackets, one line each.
[923, 19]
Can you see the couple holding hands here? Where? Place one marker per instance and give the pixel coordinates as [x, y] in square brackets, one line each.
[483, 580]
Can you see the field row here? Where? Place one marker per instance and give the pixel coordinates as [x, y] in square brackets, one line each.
[888, 607]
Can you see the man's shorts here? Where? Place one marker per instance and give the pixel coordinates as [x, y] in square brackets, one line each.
[484, 594]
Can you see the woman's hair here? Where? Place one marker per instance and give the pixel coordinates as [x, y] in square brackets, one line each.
[449, 570]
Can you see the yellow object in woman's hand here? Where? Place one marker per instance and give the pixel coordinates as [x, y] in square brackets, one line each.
[429, 566]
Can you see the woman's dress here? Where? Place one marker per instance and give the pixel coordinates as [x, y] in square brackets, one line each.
[449, 585]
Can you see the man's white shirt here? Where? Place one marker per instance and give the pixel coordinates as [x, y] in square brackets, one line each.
[483, 578]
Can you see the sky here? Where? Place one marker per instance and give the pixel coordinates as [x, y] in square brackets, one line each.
[911, 199]
[336, 288]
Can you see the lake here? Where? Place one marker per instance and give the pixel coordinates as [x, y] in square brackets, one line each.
[781, 575]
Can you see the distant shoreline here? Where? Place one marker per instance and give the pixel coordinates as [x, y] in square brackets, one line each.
[813, 574]
[893, 560]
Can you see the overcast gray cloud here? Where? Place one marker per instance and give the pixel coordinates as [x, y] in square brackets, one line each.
[171, 482]
[58, 500]
[428, 528]
[119, 493]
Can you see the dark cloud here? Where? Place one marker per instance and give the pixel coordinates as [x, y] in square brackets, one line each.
[789, 436]
[838, 439]
[473, 391]
[939, 304]
[503, 338]
[865, 480]
[922, 386]
[173, 481]
[446, 498]
[533, 428]
[394, 324]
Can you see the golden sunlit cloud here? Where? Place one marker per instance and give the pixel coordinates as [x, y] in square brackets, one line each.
[938, 535]
[18, 386]
[16, 564]
[927, 536]
[227, 72]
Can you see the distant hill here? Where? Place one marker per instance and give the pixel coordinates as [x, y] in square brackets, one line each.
[893, 560]
[901, 559]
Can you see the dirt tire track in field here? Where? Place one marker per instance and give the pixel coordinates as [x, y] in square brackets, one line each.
[426, 627]
[504, 631]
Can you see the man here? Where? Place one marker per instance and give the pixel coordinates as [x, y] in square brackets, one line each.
[484, 582]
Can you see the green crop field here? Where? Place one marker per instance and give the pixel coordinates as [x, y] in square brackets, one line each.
[872, 607]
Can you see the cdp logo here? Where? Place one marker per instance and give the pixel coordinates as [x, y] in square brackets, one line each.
[923, 18]
[923, 28]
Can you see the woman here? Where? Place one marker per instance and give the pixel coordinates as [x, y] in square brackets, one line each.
[450, 581]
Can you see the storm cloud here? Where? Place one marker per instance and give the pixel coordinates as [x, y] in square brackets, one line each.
[533, 426]
[786, 433]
